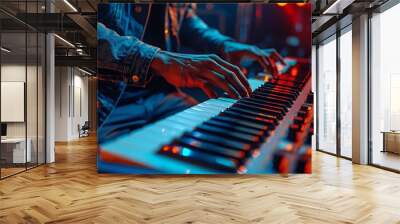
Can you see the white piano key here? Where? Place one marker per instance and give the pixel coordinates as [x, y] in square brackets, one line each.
[254, 83]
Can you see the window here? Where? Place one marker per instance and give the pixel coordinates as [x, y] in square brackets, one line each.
[346, 93]
[327, 96]
[22, 78]
[385, 89]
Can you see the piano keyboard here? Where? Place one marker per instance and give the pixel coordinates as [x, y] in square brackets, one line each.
[268, 132]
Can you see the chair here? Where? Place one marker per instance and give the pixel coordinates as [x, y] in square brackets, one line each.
[84, 130]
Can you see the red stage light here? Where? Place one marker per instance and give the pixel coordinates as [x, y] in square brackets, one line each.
[175, 149]
[294, 71]
[165, 148]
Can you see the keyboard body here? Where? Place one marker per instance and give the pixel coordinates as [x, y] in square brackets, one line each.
[141, 151]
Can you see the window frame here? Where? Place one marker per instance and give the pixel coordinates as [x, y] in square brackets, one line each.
[333, 37]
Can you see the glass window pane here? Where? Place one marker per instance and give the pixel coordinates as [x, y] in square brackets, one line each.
[385, 89]
[23, 86]
[327, 96]
[13, 86]
[31, 97]
[346, 94]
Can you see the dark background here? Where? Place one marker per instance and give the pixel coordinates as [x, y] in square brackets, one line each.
[283, 26]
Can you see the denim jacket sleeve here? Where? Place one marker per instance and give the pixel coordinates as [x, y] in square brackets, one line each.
[126, 56]
[199, 36]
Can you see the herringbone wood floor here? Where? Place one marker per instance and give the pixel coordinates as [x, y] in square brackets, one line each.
[70, 191]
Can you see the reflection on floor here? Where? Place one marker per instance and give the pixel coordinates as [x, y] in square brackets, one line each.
[12, 169]
[71, 191]
[387, 159]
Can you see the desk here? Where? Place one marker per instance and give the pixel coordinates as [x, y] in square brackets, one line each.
[391, 141]
[15, 148]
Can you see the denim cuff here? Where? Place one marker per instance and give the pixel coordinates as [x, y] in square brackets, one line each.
[138, 72]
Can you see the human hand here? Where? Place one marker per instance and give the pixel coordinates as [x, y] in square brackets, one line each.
[234, 52]
[202, 71]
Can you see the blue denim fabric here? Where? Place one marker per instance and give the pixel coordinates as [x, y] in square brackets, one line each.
[124, 54]
[128, 94]
[120, 30]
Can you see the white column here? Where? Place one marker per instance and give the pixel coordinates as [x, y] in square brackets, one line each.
[50, 92]
[360, 90]
[50, 100]
[63, 101]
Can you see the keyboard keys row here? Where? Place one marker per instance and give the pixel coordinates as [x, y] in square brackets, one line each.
[226, 141]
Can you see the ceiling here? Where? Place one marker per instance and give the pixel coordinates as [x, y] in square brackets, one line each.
[75, 21]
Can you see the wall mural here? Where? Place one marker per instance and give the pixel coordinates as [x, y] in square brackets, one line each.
[207, 88]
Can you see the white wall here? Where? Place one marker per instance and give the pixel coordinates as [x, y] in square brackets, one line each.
[33, 127]
[14, 72]
[81, 83]
[17, 72]
[61, 103]
[71, 102]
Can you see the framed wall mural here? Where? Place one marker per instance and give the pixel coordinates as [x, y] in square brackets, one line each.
[208, 88]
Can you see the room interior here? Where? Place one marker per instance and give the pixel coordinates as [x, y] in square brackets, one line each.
[48, 127]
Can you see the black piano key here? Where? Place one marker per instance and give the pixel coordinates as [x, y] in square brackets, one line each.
[270, 122]
[274, 95]
[242, 122]
[283, 87]
[266, 105]
[253, 113]
[228, 134]
[276, 92]
[235, 127]
[200, 158]
[265, 110]
[219, 140]
[263, 102]
[283, 90]
[211, 148]
[271, 99]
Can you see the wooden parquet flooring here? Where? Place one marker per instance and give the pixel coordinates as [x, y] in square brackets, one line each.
[71, 191]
